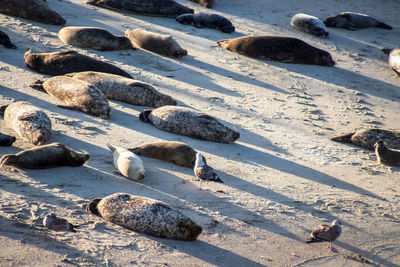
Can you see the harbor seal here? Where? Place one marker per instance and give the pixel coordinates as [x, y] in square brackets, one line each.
[175, 152]
[326, 233]
[189, 122]
[94, 38]
[155, 42]
[35, 10]
[277, 48]
[128, 163]
[5, 41]
[352, 21]
[67, 61]
[205, 3]
[162, 8]
[126, 90]
[76, 94]
[386, 155]
[57, 224]
[213, 21]
[29, 122]
[45, 156]
[394, 59]
[366, 138]
[145, 215]
[309, 24]
[6, 140]
[203, 171]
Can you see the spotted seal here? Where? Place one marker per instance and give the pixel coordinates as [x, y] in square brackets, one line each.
[189, 122]
[67, 61]
[45, 156]
[6, 140]
[278, 48]
[394, 59]
[213, 21]
[386, 155]
[155, 42]
[145, 215]
[352, 21]
[94, 38]
[309, 24]
[205, 3]
[123, 89]
[5, 41]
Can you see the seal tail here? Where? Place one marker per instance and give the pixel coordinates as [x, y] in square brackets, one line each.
[38, 85]
[27, 53]
[111, 147]
[92, 206]
[343, 138]
[223, 43]
[144, 115]
[384, 25]
[3, 109]
[387, 50]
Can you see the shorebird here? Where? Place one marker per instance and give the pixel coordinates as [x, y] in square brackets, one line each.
[326, 233]
[56, 224]
[203, 171]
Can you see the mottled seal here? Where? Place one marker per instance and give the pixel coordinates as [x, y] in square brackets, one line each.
[124, 89]
[45, 156]
[203, 171]
[189, 122]
[162, 8]
[366, 138]
[176, 152]
[386, 155]
[35, 10]
[6, 140]
[326, 233]
[213, 21]
[76, 94]
[95, 38]
[277, 48]
[309, 24]
[155, 42]
[145, 215]
[67, 61]
[205, 3]
[5, 41]
[352, 21]
[394, 59]
[29, 122]
[57, 224]
[128, 163]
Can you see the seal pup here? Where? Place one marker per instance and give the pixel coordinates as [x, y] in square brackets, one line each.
[128, 163]
[326, 233]
[155, 42]
[278, 48]
[6, 140]
[366, 138]
[309, 24]
[67, 61]
[189, 122]
[205, 3]
[213, 21]
[123, 89]
[203, 171]
[76, 94]
[35, 10]
[352, 21]
[394, 59]
[162, 8]
[29, 122]
[145, 215]
[175, 152]
[94, 38]
[386, 155]
[5, 41]
[45, 156]
[57, 224]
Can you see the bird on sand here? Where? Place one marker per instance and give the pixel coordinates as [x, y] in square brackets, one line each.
[326, 233]
[56, 224]
[203, 171]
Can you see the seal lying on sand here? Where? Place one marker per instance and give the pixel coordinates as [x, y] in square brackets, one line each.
[45, 156]
[124, 89]
[352, 21]
[145, 215]
[67, 61]
[386, 155]
[367, 138]
[76, 94]
[5, 40]
[162, 8]
[277, 48]
[309, 24]
[205, 3]
[29, 122]
[189, 122]
[95, 38]
[6, 140]
[394, 59]
[35, 10]
[213, 21]
[176, 152]
[155, 42]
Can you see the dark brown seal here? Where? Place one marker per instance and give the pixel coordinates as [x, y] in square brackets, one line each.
[45, 156]
[6, 140]
[205, 3]
[94, 38]
[189, 122]
[277, 48]
[5, 41]
[162, 8]
[145, 215]
[213, 21]
[352, 21]
[386, 155]
[155, 42]
[35, 10]
[66, 61]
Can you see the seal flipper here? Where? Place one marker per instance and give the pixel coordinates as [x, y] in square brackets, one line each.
[384, 25]
[8, 159]
[38, 85]
[144, 115]
[91, 207]
[343, 138]
[111, 147]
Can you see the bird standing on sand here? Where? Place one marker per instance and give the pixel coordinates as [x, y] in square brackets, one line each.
[326, 233]
[56, 224]
[203, 171]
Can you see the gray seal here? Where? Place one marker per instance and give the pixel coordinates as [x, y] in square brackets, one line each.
[145, 215]
[213, 21]
[189, 122]
[6, 140]
[386, 155]
[352, 21]
[5, 41]
[309, 24]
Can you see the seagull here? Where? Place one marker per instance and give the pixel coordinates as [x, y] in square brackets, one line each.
[203, 171]
[56, 224]
[326, 233]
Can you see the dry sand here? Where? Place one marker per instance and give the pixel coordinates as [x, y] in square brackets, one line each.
[282, 178]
